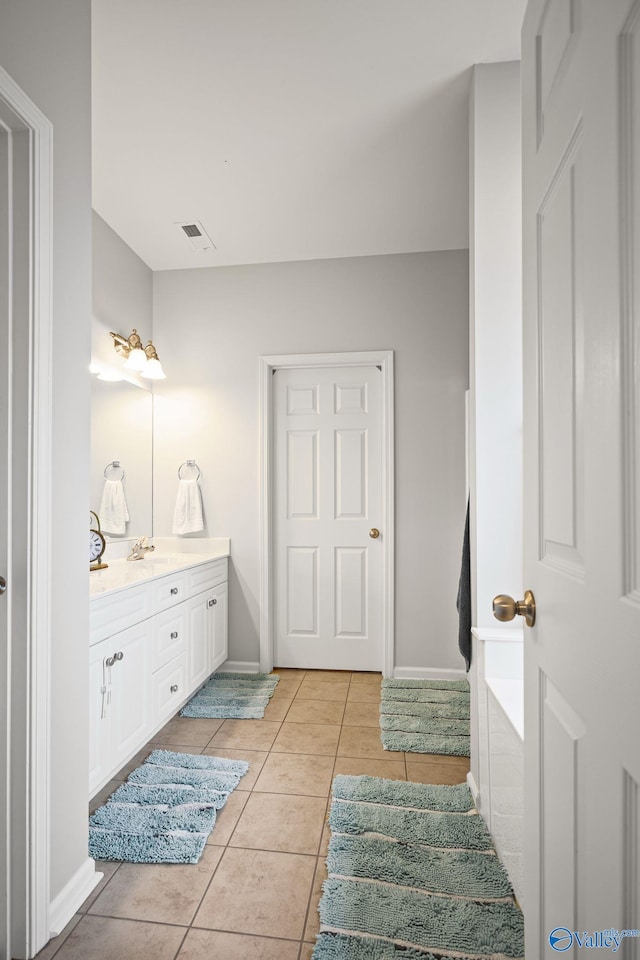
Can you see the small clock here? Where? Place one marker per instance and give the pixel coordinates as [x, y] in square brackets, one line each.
[97, 545]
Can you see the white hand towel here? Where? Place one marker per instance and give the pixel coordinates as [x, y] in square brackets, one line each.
[114, 514]
[187, 516]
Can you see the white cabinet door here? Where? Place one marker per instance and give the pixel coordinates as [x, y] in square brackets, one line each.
[218, 616]
[99, 716]
[199, 640]
[131, 691]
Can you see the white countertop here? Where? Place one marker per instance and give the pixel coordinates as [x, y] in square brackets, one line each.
[121, 573]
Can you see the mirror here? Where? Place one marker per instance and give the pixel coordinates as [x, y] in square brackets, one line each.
[121, 430]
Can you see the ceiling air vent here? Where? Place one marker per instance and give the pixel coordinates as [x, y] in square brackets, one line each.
[196, 235]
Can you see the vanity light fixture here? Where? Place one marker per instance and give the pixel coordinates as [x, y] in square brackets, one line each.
[144, 360]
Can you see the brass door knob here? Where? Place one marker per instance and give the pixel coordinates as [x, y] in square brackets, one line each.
[506, 608]
[374, 533]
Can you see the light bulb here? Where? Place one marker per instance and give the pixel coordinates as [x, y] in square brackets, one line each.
[136, 360]
[153, 370]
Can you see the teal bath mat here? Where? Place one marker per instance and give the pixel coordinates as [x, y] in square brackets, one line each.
[413, 875]
[238, 696]
[166, 809]
[425, 716]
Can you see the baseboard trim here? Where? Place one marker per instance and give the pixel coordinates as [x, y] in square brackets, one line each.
[72, 896]
[428, 673]
[475, 790]
[240, 666]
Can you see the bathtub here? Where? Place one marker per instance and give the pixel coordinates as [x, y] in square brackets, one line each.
[497, 733]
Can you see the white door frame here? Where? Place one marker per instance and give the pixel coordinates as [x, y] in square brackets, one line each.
[30, 655]
[268, 365]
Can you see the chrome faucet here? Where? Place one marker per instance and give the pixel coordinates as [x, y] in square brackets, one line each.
[139, 549]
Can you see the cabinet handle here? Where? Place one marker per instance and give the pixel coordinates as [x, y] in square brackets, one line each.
[174, 591]
[211, 602]
[174, 688]
[119, 655]
[174, 635]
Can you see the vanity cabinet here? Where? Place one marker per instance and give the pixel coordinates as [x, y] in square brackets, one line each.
[207, 615]
[174, 637]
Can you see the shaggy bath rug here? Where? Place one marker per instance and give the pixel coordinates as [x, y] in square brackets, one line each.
[412, 874]
[242, 696]
[166, 809]
[425, 716]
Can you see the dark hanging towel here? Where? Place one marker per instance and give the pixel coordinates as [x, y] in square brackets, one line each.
[463, 603]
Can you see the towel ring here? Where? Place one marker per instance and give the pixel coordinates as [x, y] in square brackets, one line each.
[189, 463]
[114, 465]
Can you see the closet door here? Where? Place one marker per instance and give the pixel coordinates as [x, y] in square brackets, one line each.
[328, 517]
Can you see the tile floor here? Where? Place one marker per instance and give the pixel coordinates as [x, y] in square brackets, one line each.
[254, 895]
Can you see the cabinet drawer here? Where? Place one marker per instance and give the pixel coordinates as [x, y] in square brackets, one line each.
[169, 635]
[167, 591]
[207, 575]
[114, 613]
[169, 688]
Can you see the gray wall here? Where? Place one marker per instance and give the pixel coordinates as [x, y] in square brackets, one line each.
[210, 327]
[46, 48]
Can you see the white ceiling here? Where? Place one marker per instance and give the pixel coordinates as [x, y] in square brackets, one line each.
[292, 129]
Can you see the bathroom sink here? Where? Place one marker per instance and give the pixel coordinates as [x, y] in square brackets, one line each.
[165, 560]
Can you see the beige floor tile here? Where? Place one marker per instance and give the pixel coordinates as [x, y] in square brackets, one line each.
[103, 795]
[296, 773]
[107, 868]
[363, 677]
[187, 731]
[363, 767]
[448, 773]
[286, 690]
[279, 821]
[317, 690]
[227, 818]
[209, 944]
[252, 734]
[364, 693]
[56, 942]
[312, 927]
[289, 673]
[159, 892]
[306, 951]
[319, 738]
[362, 714]
[315, 711]
[328, 676]
[265, 894]
[277, 709]
[436, 758]
[103, 938]
[255, 759]
[364, 742]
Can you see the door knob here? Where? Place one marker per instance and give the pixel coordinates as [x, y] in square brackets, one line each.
[3, 586]
[374, 533]
[506, 608]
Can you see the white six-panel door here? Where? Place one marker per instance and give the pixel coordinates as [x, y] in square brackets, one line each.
[581, 182]
[328, 498]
